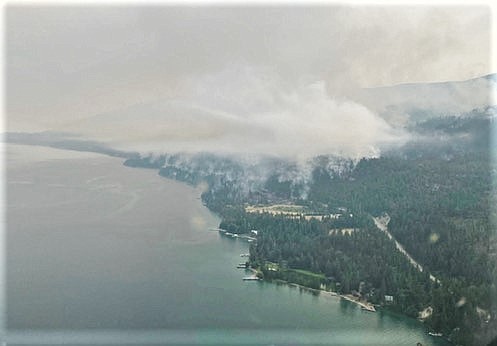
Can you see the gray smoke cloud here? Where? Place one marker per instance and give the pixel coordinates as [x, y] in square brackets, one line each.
[247, 110]
[275, 80]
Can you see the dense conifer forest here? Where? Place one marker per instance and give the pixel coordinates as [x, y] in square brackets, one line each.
[437, 192]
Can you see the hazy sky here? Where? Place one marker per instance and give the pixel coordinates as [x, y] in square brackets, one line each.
[251, 78]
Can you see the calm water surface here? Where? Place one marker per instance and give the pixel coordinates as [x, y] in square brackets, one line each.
[99, 253]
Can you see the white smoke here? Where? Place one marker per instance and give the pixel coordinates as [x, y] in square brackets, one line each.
[248, 110]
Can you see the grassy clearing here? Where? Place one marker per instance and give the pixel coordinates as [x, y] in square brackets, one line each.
[308, 273]
[286, 209]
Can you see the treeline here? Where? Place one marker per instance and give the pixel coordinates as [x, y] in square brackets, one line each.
[440, 209]
[437, 191]
[364, 260]
[439, 199]
[440, 203]
[345, 258]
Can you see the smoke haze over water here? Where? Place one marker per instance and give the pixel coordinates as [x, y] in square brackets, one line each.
[246, 110]
[283, 81]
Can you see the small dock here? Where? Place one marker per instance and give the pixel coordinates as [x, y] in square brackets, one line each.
[217, 230]
[369, 308]
[251, 278]
[235, 235]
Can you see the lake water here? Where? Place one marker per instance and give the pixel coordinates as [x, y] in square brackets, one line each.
[99, 254]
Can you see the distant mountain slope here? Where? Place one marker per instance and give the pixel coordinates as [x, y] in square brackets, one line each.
[65, 141]
[284, 121]
[413, 102]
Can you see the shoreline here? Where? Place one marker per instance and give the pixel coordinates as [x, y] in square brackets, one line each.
[365, 305]
[325, 293]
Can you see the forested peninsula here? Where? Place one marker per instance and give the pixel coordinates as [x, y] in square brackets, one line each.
[319, 230]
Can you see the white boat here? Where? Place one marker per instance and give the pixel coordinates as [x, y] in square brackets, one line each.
[435, 334]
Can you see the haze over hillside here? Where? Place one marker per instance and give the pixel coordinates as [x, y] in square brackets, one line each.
[409, 103]
[333, 118]
[297, 124]
[296, 82]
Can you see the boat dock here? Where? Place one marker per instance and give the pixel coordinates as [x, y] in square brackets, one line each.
[251, 278]
[235, 235]
[368, 308]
